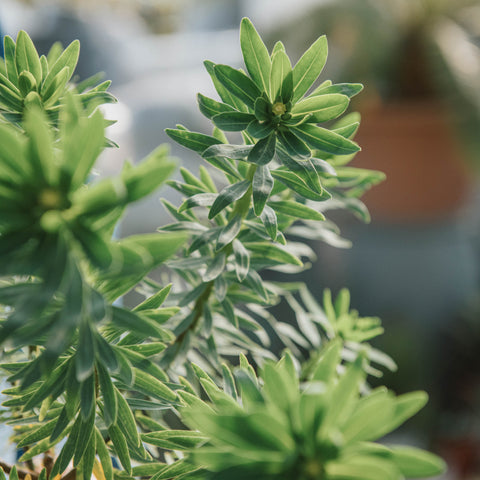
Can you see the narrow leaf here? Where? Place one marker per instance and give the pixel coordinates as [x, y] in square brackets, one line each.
[262, 185]
[227, 196]
[309, 67]
[255, 54]
[238, 84]
[263, 151]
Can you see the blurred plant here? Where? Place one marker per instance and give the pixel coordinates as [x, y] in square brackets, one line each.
[404, 49]
[115, 382]
[27, 80]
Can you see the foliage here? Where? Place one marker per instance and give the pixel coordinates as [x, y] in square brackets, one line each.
[132, 384]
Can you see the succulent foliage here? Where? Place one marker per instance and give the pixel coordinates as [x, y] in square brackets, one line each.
[185, 384]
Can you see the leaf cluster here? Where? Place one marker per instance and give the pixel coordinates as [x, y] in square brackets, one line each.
[157, 386]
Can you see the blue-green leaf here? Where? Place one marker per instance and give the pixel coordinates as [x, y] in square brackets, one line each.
[325, 140]
[281, 67]
[262, 185]
[192, 140]
[232, 121]
[309, 67]
[210, 107]
[26, 56]
[227, 196]
[323, 108]
[238, 84]
[269, 220]
[263, 151]
[255, 54]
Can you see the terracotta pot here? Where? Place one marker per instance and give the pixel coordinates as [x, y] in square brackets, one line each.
[413, 143]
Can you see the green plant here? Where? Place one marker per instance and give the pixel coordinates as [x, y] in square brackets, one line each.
[166, 387]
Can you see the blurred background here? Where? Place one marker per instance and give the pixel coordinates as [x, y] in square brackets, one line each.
[417, 264]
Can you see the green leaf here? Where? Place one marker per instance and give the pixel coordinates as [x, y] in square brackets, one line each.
[298, 185]
[179, 469]
[210, 107]
[121, 447]
[225, 94]
[37, 434]
[260, 129]
[86, 466]
[343, 395]
[175, 439]
[269, 220]
[370, 414]
[198, 200]
[110, 405]
[227, 196]
[255, 54]
[309, 67]
[149, 174]
[40, 146]
[279, 46]
[197, 142]
[281, 67]
[232, 121]
[262, 185]
[56, 87]
[103, 455]
[68, 59]
[238, 84]
[9, 54]
[87, 397]
[296, 210]
[325, 140]
[305, 170]
[26, 56]
[348, 131]
[10, 99]
[138, 323]
[106, 354]
[155, 300]
[249, 390]
[242, 260]
[85, 357]
[263, 151]
[416, 463]
[126, 420]
[326, 367]
[84, 434]
[286, 91]
[273, 252]
[26, 83]
[255, 282]
[229, 232]
[13, 473]
[323, 108]
[348, 89]
[237, 152]
[207, 179]
[83, 141]
[407, 405]
[68, 449]
[263, 109]
[293, 145]
[215, 268]
[152, 387]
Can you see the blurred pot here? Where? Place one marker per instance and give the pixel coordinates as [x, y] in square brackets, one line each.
[414, 144]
